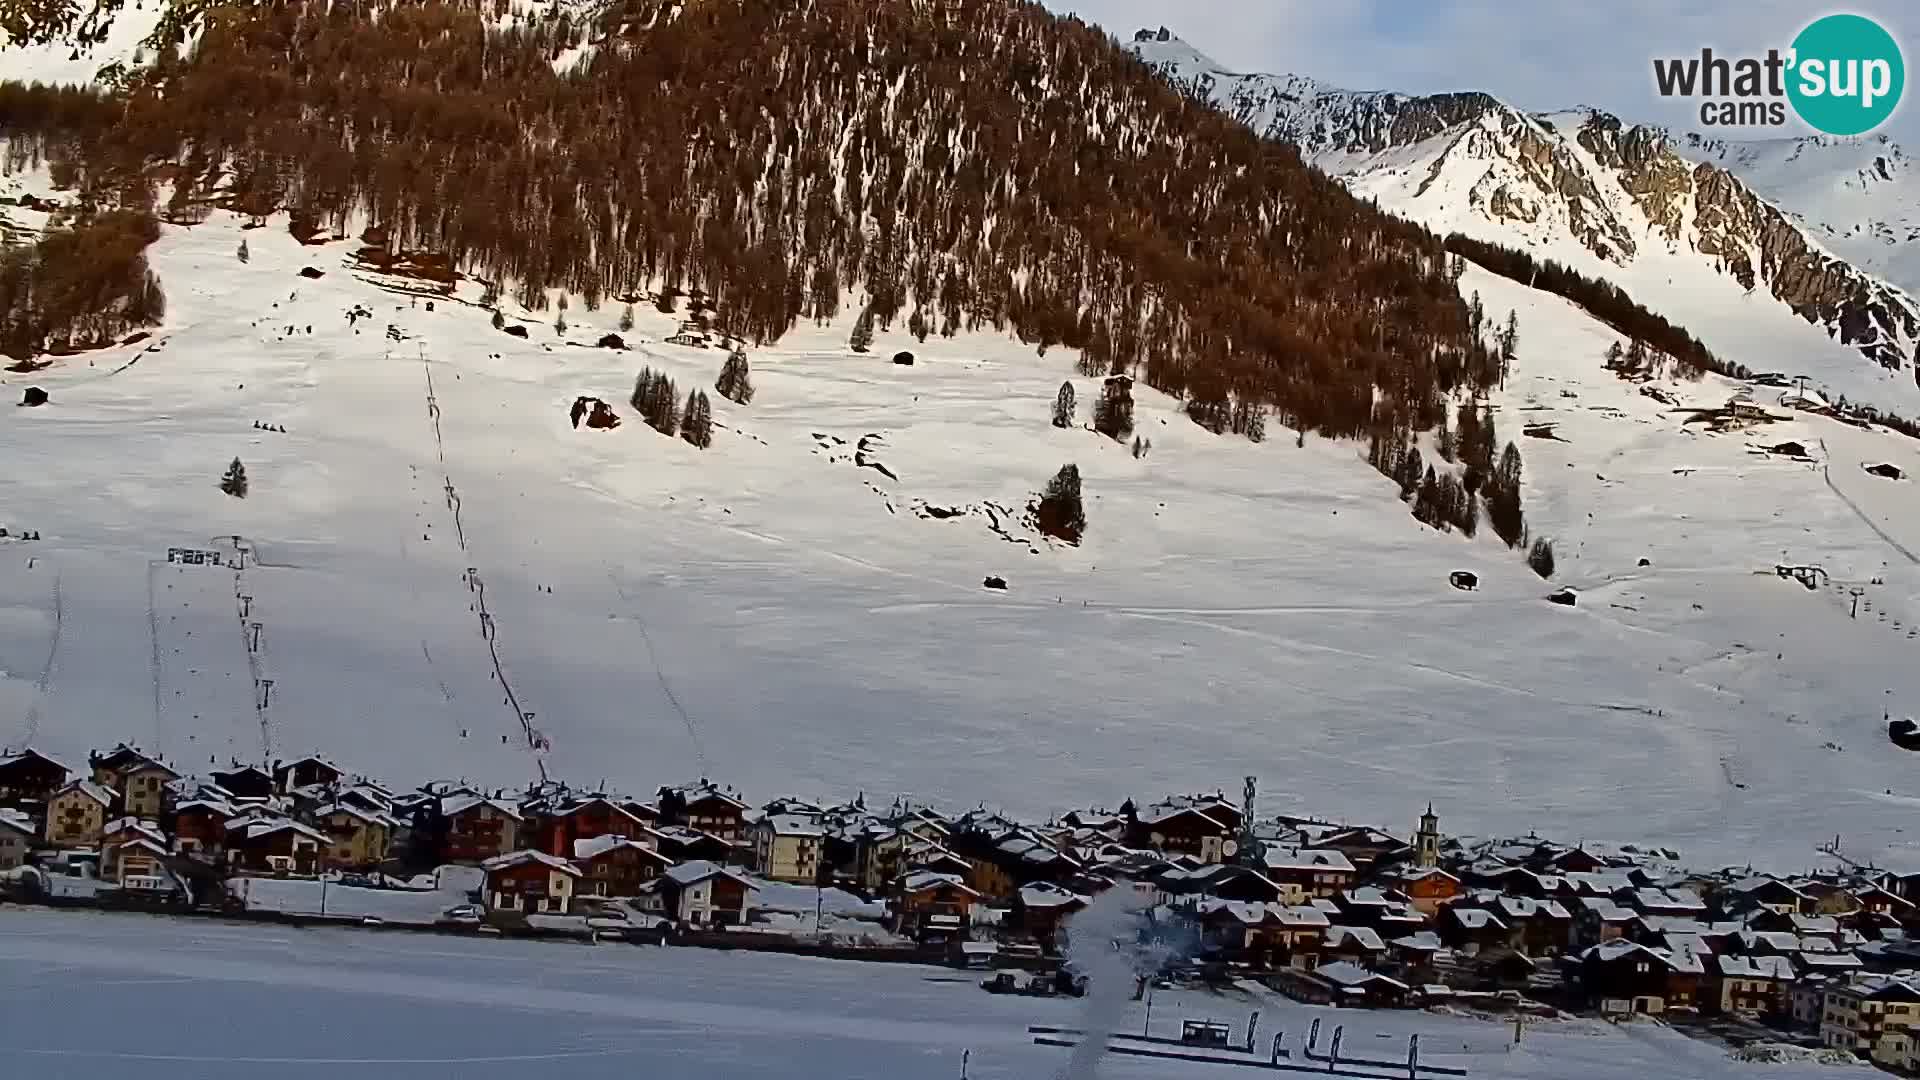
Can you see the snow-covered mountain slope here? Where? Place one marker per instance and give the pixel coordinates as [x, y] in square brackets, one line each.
[1624, 203]
[800, 607]
[1860, 197]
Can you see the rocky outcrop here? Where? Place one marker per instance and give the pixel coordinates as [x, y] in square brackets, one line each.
[1584, 171]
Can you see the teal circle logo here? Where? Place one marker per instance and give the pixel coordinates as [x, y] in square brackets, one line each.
[1847, 75]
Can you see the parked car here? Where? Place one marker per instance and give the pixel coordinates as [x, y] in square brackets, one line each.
[463, 915]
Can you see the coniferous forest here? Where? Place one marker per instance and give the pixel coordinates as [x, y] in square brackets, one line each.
[783, 158]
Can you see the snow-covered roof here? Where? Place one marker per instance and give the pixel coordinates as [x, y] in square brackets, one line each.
[255, 826]
[1347, 973]
[96, 792]
[1828, 961]
[16, 820]
[692, 873]
[1424, 941]
[1762, 881]
[218, 807]
[925, 879]
[454, 805]
[146, 844]
[520, 858]
[1307, 859]
[792, 825]
[1361, 937]
[1756, 967]
[1046, 895]
[136, 826]
[358, 813]
[594, 846]
[1522, 907]
[29, 754]
[1476, 918]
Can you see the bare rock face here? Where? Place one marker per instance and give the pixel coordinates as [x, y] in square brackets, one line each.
[1617, 189]
[33, 397]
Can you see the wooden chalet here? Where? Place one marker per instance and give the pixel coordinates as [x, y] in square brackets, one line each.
[246, 781]
[1427, 888]
[555, 831]
[477, 828]
[531, 882]
[930, 907]
[199, 827]
[28, 779]
[1624, 976]
[706, 807]
[613, 865]
[305, 773]
[268, 844]
[140, 781]
[703, 894]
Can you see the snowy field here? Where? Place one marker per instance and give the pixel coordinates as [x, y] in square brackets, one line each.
[211, 1001]
[774, 614]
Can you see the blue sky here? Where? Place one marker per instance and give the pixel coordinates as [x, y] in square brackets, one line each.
[1540, 55]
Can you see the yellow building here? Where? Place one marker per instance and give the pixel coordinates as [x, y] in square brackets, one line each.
[1860, 1015]
[786, 847]
[144, 788]
[77, 813]
[356, 836]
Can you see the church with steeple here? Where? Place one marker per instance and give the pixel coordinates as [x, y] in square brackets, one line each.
[1426, 842]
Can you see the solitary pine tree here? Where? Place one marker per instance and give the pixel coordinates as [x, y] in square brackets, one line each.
[560, 320]
[1540, 557]
[1614, 352]
[862, 337]
[1063, 406]
[1502, 493]
[735, 382]
[499, 320]
[243, 253]
[626, 319]
[917, 324]
[696, 423]
[1113, 412]
[234, 482]
[1509, 343]
[1059, 513]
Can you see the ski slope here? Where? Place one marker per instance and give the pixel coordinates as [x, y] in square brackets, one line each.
[775, 614]
[472, 1007]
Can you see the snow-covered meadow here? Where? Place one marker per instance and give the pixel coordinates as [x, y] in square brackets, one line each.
[84, 995]
[1236, 608]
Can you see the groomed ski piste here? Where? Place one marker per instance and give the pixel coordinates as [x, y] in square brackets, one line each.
[319, 1002]
[774, 613]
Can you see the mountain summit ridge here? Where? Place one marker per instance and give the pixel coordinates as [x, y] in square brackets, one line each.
[1636, 204]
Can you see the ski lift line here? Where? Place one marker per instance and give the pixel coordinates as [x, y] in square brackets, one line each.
[693, 731]
[1862, 515]
[488, 630]
[153, 633]
[253, 669]
[44, 683]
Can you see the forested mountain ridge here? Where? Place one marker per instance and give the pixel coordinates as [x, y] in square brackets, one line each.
[780, 158]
